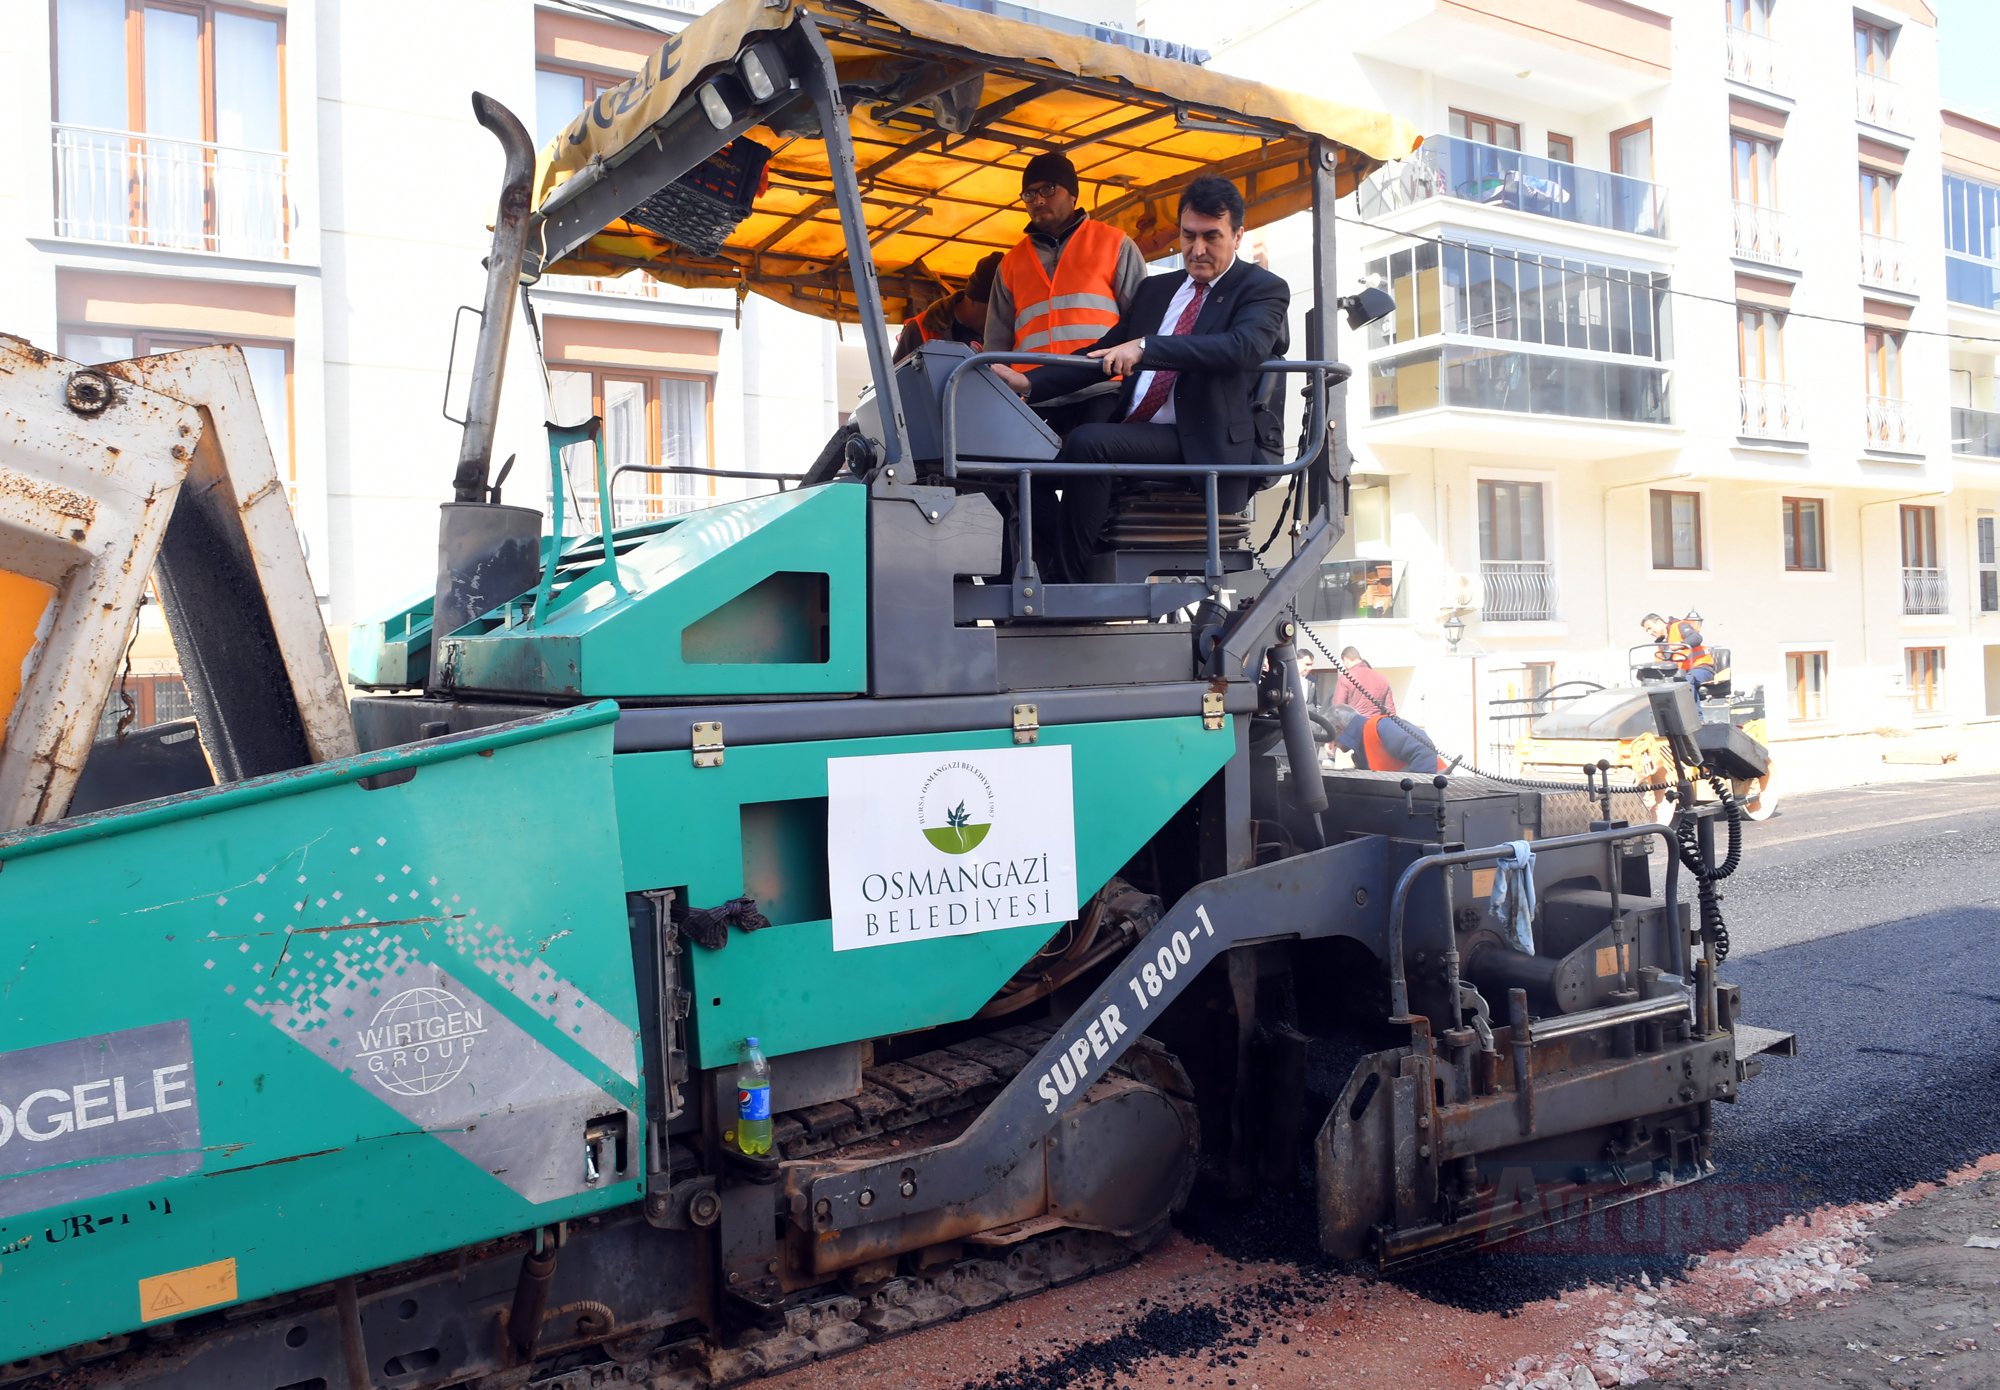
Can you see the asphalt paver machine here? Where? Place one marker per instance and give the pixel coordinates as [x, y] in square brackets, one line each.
[403, 1052]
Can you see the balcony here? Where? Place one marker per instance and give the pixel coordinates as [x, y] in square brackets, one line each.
[1770, 410]
[1351, 590]
[1975, 432]
[1924, 592]
[1755, 61]
[1972, 281]
[1884, 265]
[1463, 376]
[1517, 591]
[185, 195]
[1467, 171]
[1892, 425]
[1878, 101]
[1764, 234]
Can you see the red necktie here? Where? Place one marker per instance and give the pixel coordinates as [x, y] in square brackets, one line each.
[1162, 384]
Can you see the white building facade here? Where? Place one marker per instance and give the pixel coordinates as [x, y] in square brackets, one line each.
[305, 178]
[1681, 328]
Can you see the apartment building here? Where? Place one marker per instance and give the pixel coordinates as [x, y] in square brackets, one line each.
[1683, 326]
[305, 178]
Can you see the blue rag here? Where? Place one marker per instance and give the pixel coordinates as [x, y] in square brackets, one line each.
[1514, 895]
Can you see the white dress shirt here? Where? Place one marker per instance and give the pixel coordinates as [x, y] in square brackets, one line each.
[1165, 414]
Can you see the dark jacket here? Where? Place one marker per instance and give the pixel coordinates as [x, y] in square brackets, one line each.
[1216, 407]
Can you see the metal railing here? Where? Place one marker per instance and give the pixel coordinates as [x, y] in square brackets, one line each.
[1447, 166]
[1770, 409]
[1517, 591]
[1764, 234]
[1315, 441]
[1975, 432]
[1892, 424]
[1884, 264]
[187, 195]
[1462, 376]
[1755, 60]
[1878, 100]
[1924, 591]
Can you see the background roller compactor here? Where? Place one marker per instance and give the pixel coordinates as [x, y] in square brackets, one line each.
[395, 1045]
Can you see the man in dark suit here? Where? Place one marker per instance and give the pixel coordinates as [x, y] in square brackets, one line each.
[1187, 349]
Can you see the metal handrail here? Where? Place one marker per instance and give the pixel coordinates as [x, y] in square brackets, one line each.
[1324, 373]
[1399, 986]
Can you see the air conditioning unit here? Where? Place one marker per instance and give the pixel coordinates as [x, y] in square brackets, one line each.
[1459, 593]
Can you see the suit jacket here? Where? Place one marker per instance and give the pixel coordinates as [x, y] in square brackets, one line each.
[1217, 409]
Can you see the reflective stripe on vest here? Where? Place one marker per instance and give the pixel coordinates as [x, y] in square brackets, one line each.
[1078, 304]
[1696, 657]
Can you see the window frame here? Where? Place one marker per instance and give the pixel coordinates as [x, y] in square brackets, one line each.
[596, 81]
[656, 494]
[1768, 335]
[1762, 153]
[1736, 13]
[1655, 496]
[1494, 125]
[1484, 499]
[1803, 694]
[1882, 361]
[1986, 562]
[1886, 48]
[1918, 524]
[1880, 199]
[1791, 510]
[1568, 143]
[1923, 678]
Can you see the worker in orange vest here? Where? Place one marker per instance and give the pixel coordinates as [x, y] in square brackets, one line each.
[960, 317]
[1678, 640]
[1381, 743]
[1062, 286]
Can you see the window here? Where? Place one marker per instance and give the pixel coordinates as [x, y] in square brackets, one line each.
[1989, 572]
[1754, 169]
[170, 126]
[1805, 533]
[561, 93]
[1882, 367]
[1871, 48]
[1632, 151]
[1561, 148]
[151, 700]
[1972, 242]
[1486, 130]
[1923, 671]
[270, 374]
[1676, 530]
[1760, 343]
[1510, 521]
[1920, 547]
[1535, 297]
[1805, 677]
[1751, 16]
[650, 419]
[1878, 203]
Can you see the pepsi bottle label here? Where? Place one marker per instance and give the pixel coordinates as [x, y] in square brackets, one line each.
[754, 1104]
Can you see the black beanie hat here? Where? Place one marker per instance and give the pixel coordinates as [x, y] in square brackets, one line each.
[979, 288]
[1050, 167]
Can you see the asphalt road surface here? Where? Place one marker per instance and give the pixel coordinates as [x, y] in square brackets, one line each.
[1865, 921]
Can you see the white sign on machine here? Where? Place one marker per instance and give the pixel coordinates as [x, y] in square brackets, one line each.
[925, 845]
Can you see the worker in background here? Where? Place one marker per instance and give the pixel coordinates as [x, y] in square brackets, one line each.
[960, 317]
[1063, 285]
[1678, 640]
[1188, 353]
[1381, 744]
[1362, 686]
[1306, 679]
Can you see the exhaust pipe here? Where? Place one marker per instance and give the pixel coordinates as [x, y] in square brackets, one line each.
[489, 553]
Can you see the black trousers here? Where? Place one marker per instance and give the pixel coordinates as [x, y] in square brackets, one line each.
[1066, 536]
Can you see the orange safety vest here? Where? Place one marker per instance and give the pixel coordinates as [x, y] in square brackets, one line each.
[1074, 307]
[1696, 657]
[1378, 757]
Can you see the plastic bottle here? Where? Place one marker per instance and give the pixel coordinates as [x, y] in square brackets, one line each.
[753, 1101]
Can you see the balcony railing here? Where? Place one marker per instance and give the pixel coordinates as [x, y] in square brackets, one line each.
[1449, 167]
[1892, 425]
[189, 195]
[1971, 281]
[1878, 101]
[1883, 264]
[1924, 592]
[635, 284]
[1517, 591]
[1349, 590]
[1975, 432]
[1764, 234]
[1755, 60]
[1770, 409]
[1464, 377]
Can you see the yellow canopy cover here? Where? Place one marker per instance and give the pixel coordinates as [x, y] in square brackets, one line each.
[1137, 127]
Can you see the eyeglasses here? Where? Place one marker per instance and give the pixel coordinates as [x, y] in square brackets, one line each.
[1040, 193]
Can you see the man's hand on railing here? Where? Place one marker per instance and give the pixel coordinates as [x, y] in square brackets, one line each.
[1123, 359]
[1017, 382]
